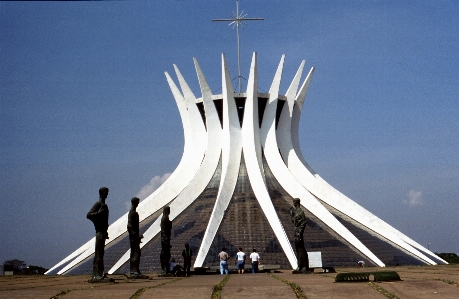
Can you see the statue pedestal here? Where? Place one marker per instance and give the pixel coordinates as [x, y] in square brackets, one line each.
[101, 280]
[303, 271]
[140, 276]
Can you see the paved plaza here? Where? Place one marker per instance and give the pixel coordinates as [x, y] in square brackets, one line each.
[417, 282]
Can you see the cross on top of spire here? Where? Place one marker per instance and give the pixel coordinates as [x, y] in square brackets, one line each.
[237, 20]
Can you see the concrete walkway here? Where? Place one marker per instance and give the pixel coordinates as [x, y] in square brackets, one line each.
[417, 283]
[323, 286]
[258, 285]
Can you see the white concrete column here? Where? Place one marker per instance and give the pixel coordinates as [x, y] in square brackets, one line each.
[252, 154]
[231, 159]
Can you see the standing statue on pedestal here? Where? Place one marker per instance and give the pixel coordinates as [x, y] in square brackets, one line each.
[134, 239]
[166, 227]
[99, 216]
[299, 220]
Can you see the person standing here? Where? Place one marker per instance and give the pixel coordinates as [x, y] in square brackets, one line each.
[187, 254]
[240, 257]
[223, 261]
[99, 217]
[255, 257]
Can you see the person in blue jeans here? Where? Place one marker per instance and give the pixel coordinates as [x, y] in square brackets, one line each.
[223, 261]
[255, 257]
[240, 258]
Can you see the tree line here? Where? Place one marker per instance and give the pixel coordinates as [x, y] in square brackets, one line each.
[20, 267]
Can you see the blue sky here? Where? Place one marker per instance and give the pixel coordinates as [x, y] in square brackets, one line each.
[84, 103]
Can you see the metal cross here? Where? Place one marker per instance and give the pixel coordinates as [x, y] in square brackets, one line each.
[238, 20]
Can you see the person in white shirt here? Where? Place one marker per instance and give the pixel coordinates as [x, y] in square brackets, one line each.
[240, 257]
[255, 260]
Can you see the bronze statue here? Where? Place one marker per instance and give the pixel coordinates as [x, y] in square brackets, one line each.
[134, 239]
[166, 227]
[299, 220]
[99, 216]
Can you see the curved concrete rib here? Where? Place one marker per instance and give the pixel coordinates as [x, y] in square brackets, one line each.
[285, 177]
[314, 183]
[179, 179]
[205, 172]
[287, 130]
[252, 154]
[231, 159]
[295, 121]
[197, 125]
[283, 140]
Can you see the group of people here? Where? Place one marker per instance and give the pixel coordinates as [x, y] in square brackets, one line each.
[178, 270]
[239, 259]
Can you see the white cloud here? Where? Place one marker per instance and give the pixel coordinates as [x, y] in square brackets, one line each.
[154, 184]
[414, 198]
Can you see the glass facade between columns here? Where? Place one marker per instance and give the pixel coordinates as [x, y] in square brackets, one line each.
[245, 225]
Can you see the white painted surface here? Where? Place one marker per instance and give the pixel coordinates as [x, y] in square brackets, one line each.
[315, 259]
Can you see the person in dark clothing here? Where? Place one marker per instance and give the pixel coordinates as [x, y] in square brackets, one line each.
[187, 253]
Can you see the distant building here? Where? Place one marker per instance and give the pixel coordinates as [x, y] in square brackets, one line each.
[7, 270]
